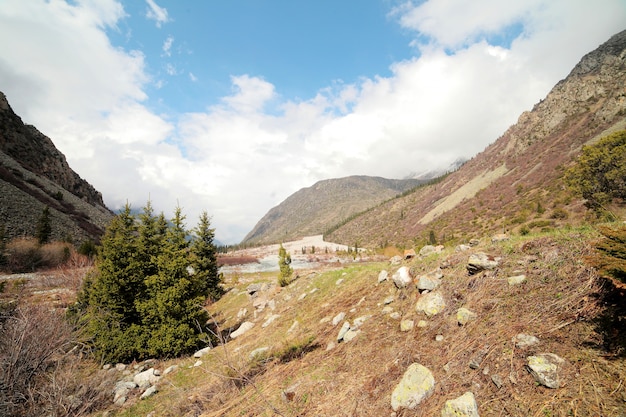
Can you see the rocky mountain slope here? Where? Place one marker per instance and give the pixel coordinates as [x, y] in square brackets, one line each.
[515, 183]
[311, 211]
[35, 174]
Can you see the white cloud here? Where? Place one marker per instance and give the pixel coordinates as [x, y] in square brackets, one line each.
[239, 158]
[167, 46]
[157, 13]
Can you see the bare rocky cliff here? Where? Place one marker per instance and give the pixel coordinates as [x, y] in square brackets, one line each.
[515, 183]
[34, 174]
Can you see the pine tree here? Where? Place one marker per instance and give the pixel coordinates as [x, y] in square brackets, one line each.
[610, 258]
[44, 227]
[204, 259]
[284, 264]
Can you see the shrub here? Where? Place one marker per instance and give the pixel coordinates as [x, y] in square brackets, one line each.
[22, 255]
[610, 257]
[284, 264]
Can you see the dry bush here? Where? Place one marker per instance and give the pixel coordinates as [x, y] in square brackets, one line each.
[54, 254]
[22, 255]
[40, 368]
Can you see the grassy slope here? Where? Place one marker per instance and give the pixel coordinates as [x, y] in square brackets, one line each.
[559, 303]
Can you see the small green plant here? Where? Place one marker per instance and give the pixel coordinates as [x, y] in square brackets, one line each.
[44, 227]
[284, 264]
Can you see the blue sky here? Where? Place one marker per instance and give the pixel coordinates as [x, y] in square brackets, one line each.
[232, 106]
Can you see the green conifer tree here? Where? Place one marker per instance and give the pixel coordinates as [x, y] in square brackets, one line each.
[284, 264]
[204, 266]
[44, 226]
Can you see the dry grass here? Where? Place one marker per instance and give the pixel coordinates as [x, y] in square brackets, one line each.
[561, 303]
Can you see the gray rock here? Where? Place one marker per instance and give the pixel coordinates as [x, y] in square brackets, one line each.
[270, 320]
[463, 406]
[396, 260]
[497, 381]
[120, 367]
[294, 326]
[500, 237]
[342, 332]
[480, 261]
[523, 341]
[146, 378]
[407, 325]
[121, 390]
[387, 310]
[478, 358]
[245, 326]
[358, 322]
[416, 385]
[474, 242]
[462, 248]
[545, 369]
[149, 392]
[351, 334]
[383, 276]
[197, 363]
[338, 318]
[388, 300]
[258, 352]
[254, 288]
[170, 369]
[402, 277]
[430, 304]
[200, 353]
[464, 316]
[395, 315]
[516, 280]
[428, 283]
[430, 249]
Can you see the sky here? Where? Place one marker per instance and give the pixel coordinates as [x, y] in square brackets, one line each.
[231, 106]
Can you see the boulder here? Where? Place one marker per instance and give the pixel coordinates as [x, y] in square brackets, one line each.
[464, 316]
[430, 304]
[429, 281]
[342, 332]
[245, 326]
[338, 318]
[480, 261]
[146, 378]
[427, 250]
[200, 353]
[406, 325]
[383, 276]
[254, 288]
[463, 406]
[523, 341]
[149, 392]
[402, 277]
[545, 369]
[416, 385]
[516, 280]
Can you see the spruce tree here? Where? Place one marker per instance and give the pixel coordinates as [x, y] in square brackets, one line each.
[44, 227]
[284, 264]
[204, 259]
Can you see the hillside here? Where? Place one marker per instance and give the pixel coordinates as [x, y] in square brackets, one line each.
[33, 175]
[515, 182]
[310, 211]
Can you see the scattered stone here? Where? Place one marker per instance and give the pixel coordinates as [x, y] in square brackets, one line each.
[146, 378]
[314, 290]
[326, 319]
[439, 338]
[302, 296]
[387, 310]
[254, 288]
[389, 299]
[200, 353]
[294, 326]
[121, 390]
[342, 332]
[480, 262]
[474, 242]
[430, 304]
[270, 320]
[170, 369]
[463, 406]
[107, 366]
[422, 323]
[120, 367]
[516, 280]
[430, 281]
[430, 249]
[486, 370]
[406, 325]
[464, 316]
[478, 358]
[271, 304]
[245, 326]
[338, 318]
[258, 352]
[402, 277]
[350, 335]
[416, 384]
[524, 340]
[358, 322]
[197, 363]
[149, 392]
[409, 254]
[396, 260]
[497, 381]
[383, 276]
[462, 248]
[395, 315]
[544, 368]
[330, 346]
[339, 281]
[500, 237]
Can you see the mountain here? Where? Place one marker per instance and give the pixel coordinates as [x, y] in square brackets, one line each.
[515, 184]
[35, 174]
[312, 210]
